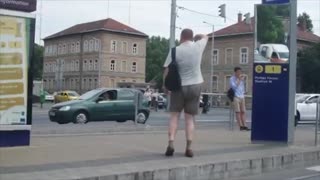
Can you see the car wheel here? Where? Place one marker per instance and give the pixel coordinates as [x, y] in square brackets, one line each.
[142, 117]
[81, 117]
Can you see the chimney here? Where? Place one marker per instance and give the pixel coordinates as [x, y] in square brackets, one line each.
[239, 17]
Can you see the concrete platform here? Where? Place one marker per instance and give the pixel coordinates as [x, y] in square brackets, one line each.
[219, 154]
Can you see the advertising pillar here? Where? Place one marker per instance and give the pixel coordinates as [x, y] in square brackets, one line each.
[17, 29]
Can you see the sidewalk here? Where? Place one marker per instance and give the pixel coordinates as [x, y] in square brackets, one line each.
[218, 154]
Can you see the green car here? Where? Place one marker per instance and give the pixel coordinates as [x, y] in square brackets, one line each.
[102, 105]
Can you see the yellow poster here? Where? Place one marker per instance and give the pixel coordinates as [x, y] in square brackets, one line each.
[13, 70]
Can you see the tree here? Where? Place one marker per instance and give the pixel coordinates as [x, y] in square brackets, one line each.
[305, 18]
[309, 65]
[37, 61]
[157, 51]
[270, 26]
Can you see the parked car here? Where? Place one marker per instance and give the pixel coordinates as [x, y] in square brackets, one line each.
[101, 105]
[63, 96]
[48, 97]
[306, 106]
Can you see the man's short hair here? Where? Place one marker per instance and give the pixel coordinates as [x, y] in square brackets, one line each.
[187, 34]
[237, 69]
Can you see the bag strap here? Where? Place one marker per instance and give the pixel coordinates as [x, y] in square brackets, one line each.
[173, 54]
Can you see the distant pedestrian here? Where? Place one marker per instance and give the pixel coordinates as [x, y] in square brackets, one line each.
[147, 94]
[237, 84]
[188, 57]
[155, 99]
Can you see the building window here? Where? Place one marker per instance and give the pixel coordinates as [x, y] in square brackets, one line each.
[124, 47]
[90, 84]
[77, 65]
[59, 49]
[124, 66]
[72, 49]
[245, 81]
[113, 46]
[135, 49]
[91, 45]
[244, 55]
[85, 46]
[78, 47]
[97, 45]
[215, 56]
[134, 67]
[72, 65]
[227, 83]
[85, 65]
[215, 83]
[64, 49]
[84, 81]
[112, 65]
[72, 86]
[95, 83]
[90, 65]
[112, 83]
[95, 65]
[228, 56]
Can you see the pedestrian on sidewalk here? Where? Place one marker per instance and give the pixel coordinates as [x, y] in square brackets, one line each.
[188, 58]
[155, 99]
[237, 84]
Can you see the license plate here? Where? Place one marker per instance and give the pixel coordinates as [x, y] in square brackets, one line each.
[52, 113]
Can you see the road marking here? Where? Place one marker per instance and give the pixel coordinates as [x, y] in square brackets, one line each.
[314, 168]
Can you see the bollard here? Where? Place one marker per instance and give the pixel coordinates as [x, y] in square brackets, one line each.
[136, 106]
[231, 117]
[317, 122]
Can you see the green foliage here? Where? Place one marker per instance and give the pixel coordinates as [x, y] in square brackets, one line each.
[270, 27]
[309, 68]
[157, 52]
[37, 61]
[304, 17]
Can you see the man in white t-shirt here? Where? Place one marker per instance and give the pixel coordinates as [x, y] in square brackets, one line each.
[188, 57]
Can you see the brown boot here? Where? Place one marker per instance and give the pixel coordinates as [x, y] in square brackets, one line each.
[189, 153]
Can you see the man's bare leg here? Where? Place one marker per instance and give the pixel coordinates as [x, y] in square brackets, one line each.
[189, 122]
[172, 131]
[243, 119]
[239, 119]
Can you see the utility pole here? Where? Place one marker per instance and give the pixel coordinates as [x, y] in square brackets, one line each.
[172, 34]
[212, 57]
[173, 23]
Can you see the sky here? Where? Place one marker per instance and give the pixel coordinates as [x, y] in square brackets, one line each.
[151, 16]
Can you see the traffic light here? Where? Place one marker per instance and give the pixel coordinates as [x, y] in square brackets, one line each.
[222, 10]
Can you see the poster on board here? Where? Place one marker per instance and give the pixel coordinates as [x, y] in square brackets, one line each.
[14, 62]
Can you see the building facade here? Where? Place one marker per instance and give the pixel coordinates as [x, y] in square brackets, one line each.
[95, 54]
[234, 46]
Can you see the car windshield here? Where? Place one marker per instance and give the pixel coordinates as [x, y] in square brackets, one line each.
[89, 94]
[301, 99]
[284, 55]
[73, 94]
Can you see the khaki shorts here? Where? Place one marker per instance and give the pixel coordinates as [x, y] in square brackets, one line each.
[186, 99]
[239, 105]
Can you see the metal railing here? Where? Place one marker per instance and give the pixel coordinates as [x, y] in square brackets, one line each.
[220, 100]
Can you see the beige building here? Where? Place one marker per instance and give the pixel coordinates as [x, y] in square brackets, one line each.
[95, 54]
[234, 46]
